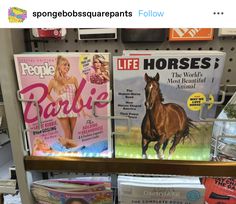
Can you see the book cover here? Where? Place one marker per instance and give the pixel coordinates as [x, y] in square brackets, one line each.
[161, 193]
[65, 86]
[224, 133]
[220, 190]
[180, 82]
[153, 180]
[190, 34]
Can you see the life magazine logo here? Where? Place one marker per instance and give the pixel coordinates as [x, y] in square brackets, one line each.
[128, 64]
[16, 15]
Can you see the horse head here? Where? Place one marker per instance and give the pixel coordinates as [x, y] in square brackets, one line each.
[152, 91]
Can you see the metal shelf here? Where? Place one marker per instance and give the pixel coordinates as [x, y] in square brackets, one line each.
[106, 165]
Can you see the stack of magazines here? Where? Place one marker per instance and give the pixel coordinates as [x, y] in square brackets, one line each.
[70, 191]
[134, 189]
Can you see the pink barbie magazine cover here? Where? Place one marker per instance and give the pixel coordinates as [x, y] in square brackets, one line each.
[65, 87]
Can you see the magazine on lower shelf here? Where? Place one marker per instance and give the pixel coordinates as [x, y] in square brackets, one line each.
[155, 180]
[65, 86]
[64, 185]
[224, 133]
[159, 179]
[161, 193]
[67, 191]
[161, 93]
[220, 190]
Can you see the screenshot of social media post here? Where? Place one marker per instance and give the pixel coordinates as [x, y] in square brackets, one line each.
[117, 102]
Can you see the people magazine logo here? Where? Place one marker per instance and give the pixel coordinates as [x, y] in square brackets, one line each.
[128, 64]
[16, 15]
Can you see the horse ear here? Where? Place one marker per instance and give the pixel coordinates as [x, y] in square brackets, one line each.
[146, 77]
[157, 77]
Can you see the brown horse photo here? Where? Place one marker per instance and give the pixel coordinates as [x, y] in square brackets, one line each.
[162, 122]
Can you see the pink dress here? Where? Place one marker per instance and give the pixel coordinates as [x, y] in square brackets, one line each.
[97, 79]
[67, 94]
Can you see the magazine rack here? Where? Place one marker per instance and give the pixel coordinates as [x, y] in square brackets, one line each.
[215, 153]
[13, 42]
[218, 137]
[25, 135]
[115, 117]
[221, 102]
[170, 167]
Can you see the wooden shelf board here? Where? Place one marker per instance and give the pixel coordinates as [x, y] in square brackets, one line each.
[107, 165]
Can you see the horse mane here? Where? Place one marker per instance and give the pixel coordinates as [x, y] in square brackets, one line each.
[160, 93]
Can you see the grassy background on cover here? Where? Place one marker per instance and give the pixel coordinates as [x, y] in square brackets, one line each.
[197, 147]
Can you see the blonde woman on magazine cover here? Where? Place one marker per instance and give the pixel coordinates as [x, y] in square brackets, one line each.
[100, 73]
[65, 87]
